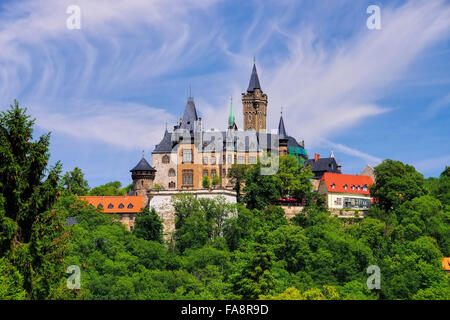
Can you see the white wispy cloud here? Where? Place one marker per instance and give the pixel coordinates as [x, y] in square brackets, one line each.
[78, 81]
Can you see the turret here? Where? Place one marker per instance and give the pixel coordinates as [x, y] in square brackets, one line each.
[143, 175]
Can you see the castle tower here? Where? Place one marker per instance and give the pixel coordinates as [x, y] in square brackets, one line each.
[143, 175]
[254, 104]
[283, 137]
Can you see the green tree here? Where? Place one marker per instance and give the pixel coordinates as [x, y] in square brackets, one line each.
[32, 235]
[74, 182]
[148, 225]
[109, 189]
[260, 190]
[216, 181]
[206, 183]
[396, 183]
[253, 276]
[236, 174]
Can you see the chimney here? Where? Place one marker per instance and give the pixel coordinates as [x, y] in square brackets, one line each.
[316, 157]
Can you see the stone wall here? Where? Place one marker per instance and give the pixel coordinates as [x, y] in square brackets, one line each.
[161, 201]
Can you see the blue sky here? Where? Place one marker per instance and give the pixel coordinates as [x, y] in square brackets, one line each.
[105, 91]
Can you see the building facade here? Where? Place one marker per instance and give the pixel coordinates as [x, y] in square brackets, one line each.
[188, 153]
[346, 191]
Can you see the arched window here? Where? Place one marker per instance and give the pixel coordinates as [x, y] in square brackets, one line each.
[130, 206]
[110, 206]
[165, 159]
[172, 173]
[171, 184]
[121, 206]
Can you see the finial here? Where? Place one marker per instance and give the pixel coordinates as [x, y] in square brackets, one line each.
[254, 59]
[143, 152]
[281, 112]
[190, 91]
[166, 126]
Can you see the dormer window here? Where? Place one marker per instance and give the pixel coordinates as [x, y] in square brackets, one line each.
[100, 206]
[333, 185]
[353, 187]
[365, 187]
[345, 187]
[110, 206]
[130, 206]
[121, 206]
[359, 188]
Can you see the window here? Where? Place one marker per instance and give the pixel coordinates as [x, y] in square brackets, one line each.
[172, 173]
[171, 184]
[100, 206]
[359, 188]
[252, 159]
[241, 160]
[353, 187]
[187, 155]
[121, 206]
[110, 206]
[338, 201]
[205, 159]
[213, 173]
[345, 187]
[188, 177]
[130, 206]
[230, 159]
[365, 187]
[165, 159]
[213, 160]
[131, 216]
[205, 173]
[131, 228]
[333, 185]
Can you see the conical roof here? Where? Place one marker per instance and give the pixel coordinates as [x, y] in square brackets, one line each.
[190, 115]
[281, 129]
[254, 81]
[143, 165]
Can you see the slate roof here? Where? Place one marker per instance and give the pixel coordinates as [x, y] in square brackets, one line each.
[143, 165]
[281, 129]
[254, 81]
[252, 141]
[165, 146]
[71, 221]
[322, 165]
[190, 115]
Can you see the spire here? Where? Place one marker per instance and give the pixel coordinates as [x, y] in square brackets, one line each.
[231, 116]
[254, 80]
[281, 128]
[332, 154]
[190, 115]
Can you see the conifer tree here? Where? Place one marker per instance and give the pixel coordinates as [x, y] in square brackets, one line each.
[32, 236]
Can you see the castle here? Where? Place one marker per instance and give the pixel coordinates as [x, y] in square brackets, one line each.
[188, 153]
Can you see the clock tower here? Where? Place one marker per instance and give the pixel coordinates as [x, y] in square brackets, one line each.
[254, 104]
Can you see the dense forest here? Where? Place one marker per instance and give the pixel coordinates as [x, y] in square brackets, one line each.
[218, 251]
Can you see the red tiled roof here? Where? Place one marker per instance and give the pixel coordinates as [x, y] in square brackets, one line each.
[341, 180]
[117, 204]
[446, 264]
